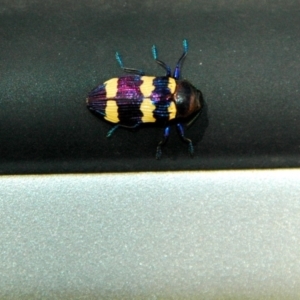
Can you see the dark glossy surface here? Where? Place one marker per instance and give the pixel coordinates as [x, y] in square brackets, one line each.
[243, 56]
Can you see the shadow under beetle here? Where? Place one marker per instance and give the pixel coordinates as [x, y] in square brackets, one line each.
[131, 100]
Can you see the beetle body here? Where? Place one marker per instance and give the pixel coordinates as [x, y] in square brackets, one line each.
[135, 99]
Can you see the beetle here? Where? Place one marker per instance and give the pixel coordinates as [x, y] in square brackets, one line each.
[135, 99]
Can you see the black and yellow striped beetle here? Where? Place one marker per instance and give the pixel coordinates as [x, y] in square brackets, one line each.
[131, 100]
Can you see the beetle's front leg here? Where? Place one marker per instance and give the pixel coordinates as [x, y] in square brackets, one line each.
[162, 142]
[180, 131]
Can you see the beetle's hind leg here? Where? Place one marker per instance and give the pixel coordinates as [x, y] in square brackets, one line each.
[186, 140]
[112, 130]
[162, 142]
[128, 70]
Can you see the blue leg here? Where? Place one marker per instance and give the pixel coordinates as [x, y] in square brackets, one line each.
[111, 131]
[176, 74]
[186, 140]
[162, 142]
[159, 62]
[128, 70]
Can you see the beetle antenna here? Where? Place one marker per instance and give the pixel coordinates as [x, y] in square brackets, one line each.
[176, 74]
[159, 62]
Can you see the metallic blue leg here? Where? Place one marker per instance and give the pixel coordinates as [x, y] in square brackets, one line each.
[176, 74]
[159, 62]
[186, 140]
[131, 127]
[111, 131]
[162, 142]
[128, 70]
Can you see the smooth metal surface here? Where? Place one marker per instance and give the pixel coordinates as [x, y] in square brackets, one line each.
[201, 235]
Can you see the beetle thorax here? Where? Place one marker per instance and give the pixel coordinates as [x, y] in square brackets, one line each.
[186, 99]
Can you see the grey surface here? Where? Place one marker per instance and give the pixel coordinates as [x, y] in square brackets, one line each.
[244, 56]
[201, 235]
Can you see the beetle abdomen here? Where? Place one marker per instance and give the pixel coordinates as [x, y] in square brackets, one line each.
[133, 99]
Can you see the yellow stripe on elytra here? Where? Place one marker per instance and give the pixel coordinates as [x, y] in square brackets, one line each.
[172, 110]
[147, 108]
[111, 111]
[111, 87]
[147, 86]
[172, 85]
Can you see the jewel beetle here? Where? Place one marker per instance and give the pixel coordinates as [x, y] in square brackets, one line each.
[135, 99]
